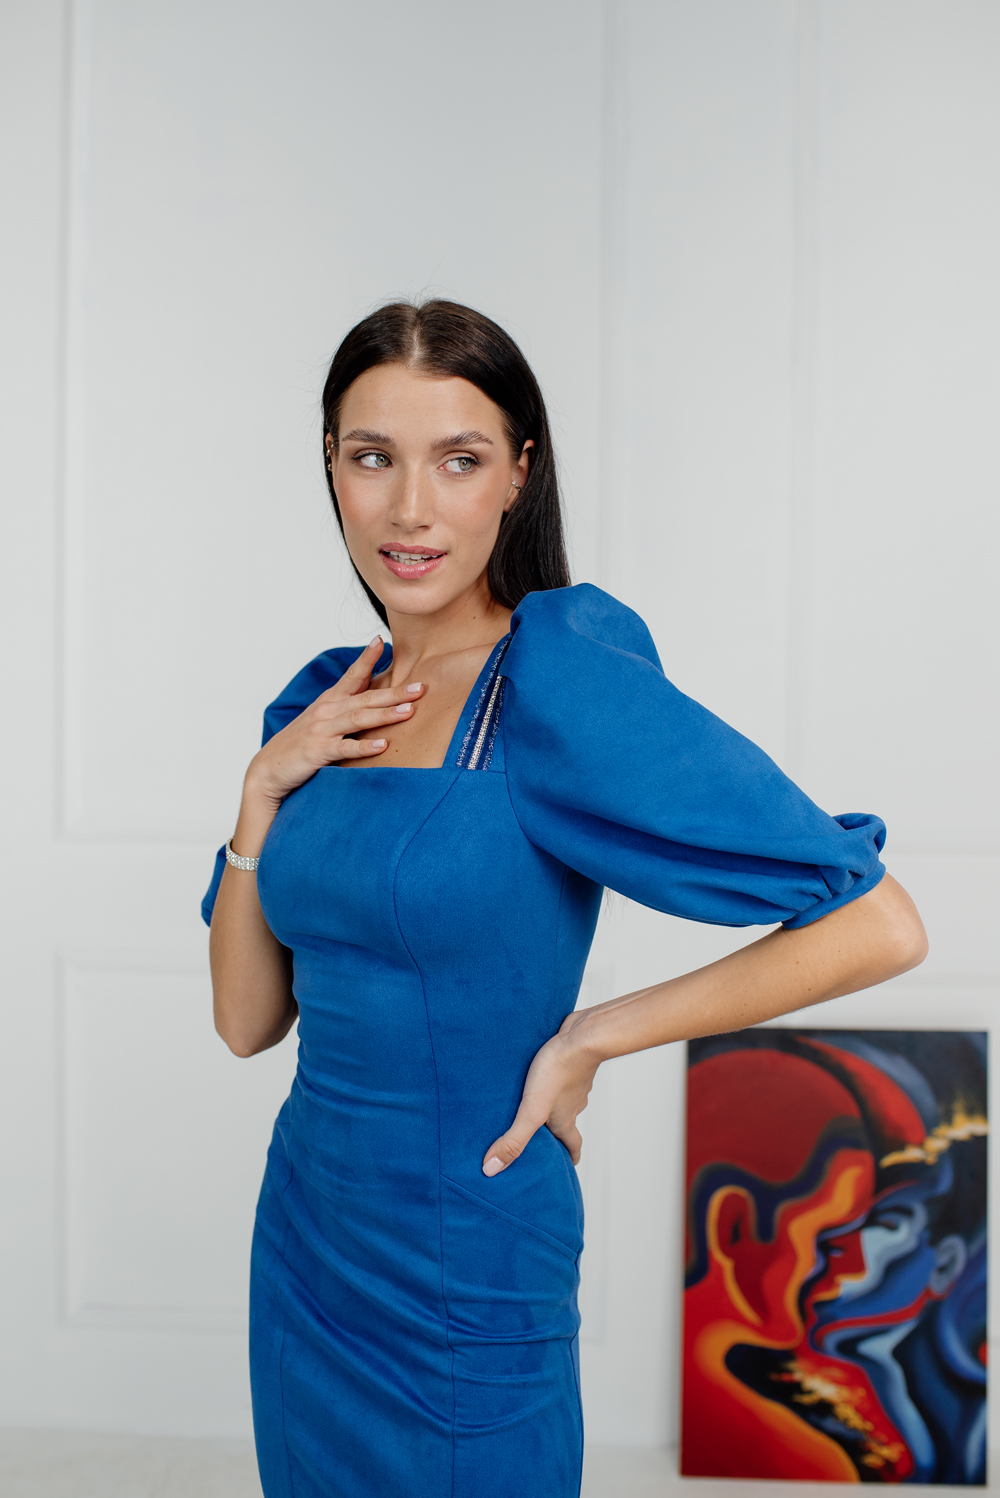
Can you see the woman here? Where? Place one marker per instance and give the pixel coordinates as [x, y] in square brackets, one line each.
[413, 1311]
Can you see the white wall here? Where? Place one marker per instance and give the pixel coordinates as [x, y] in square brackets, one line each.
[750, 247]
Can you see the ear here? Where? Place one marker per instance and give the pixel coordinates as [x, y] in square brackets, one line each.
[519, 475]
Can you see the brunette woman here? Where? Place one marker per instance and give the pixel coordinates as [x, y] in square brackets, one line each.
[415, 876]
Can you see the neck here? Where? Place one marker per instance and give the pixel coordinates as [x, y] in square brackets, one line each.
[473, 620]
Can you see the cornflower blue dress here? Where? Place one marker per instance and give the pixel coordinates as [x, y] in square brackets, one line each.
[413, 1324]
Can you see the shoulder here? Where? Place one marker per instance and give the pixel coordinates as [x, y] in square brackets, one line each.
[583, 621]
[322, 672]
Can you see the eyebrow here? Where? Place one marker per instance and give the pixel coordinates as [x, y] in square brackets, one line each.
[362, 434]
[460, 439]
[464, 439]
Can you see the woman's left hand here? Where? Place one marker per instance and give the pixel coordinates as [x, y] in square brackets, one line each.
[555, 1093]
[875, 937]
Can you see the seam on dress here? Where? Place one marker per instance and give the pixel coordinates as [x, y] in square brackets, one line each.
[574, 1358]
[284, 1317]
[562, 894]
[521, 1223]
[437, 1085]
[517, 819]
[555, 944]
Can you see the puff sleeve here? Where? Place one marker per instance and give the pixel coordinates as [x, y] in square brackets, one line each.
[303, 689]
[623, 778]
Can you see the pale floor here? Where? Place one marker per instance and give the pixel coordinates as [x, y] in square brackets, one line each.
[69, 1464]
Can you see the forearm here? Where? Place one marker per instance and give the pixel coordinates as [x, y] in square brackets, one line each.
[251, 972]
[874, 938]
[861, 944]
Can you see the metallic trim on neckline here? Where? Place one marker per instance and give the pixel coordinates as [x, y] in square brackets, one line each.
[478, 746]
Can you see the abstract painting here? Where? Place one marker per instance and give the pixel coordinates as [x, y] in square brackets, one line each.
[835, 1295]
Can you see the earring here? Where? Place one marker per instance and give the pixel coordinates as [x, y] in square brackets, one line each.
[515, 485]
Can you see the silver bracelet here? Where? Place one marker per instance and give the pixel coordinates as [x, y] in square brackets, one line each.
[247, 864]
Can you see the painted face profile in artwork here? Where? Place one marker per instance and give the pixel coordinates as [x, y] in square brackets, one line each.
[835, 1296]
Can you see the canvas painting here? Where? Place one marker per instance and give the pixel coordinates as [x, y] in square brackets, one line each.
[835, 1295]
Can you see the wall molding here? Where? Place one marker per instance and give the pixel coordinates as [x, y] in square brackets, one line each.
[803, 371]
[613, 270]
[70, 425]
[71, 454]
[70, 965]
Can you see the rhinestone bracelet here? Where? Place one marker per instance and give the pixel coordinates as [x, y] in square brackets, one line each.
[247, 864]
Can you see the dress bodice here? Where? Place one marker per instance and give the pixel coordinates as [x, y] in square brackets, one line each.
[413, 1322]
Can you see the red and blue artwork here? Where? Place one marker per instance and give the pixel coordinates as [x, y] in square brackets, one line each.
[835, 1298]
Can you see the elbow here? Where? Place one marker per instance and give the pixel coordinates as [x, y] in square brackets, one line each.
[247, 1036]
[238, 1037]
[897, 940]
[240, 1047]
[240, 1044]
[912, 947]
[906, 943]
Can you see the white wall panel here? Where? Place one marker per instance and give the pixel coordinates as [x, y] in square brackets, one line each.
[165, 1135]
[32, 96]
[697, 509]
[900, 713]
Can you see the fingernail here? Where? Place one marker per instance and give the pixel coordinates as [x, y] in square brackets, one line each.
[377, 641]
[493, 1166]
[378, 743]
[414, 686]
[402, 707]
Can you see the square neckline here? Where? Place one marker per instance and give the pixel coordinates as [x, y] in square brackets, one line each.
[466, 718]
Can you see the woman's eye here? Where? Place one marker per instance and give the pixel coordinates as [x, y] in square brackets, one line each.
[372, 460]
[464, 464]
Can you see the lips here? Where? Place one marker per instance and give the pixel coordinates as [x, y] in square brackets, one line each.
[411, 561]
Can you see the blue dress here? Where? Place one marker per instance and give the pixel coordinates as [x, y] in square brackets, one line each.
[413, 1323]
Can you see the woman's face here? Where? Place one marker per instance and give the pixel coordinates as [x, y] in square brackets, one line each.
[423, 474]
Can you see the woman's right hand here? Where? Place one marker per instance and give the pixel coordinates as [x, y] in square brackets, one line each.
[251, 972]
[319, 735]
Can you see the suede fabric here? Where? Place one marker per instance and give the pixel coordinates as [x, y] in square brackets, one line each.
[414, 1323]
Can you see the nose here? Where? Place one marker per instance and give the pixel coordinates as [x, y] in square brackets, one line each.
[412, 504]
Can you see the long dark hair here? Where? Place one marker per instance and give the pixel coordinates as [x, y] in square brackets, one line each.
[445, 338]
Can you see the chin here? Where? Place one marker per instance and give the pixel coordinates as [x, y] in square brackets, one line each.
[413, 603]
[421, 597]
